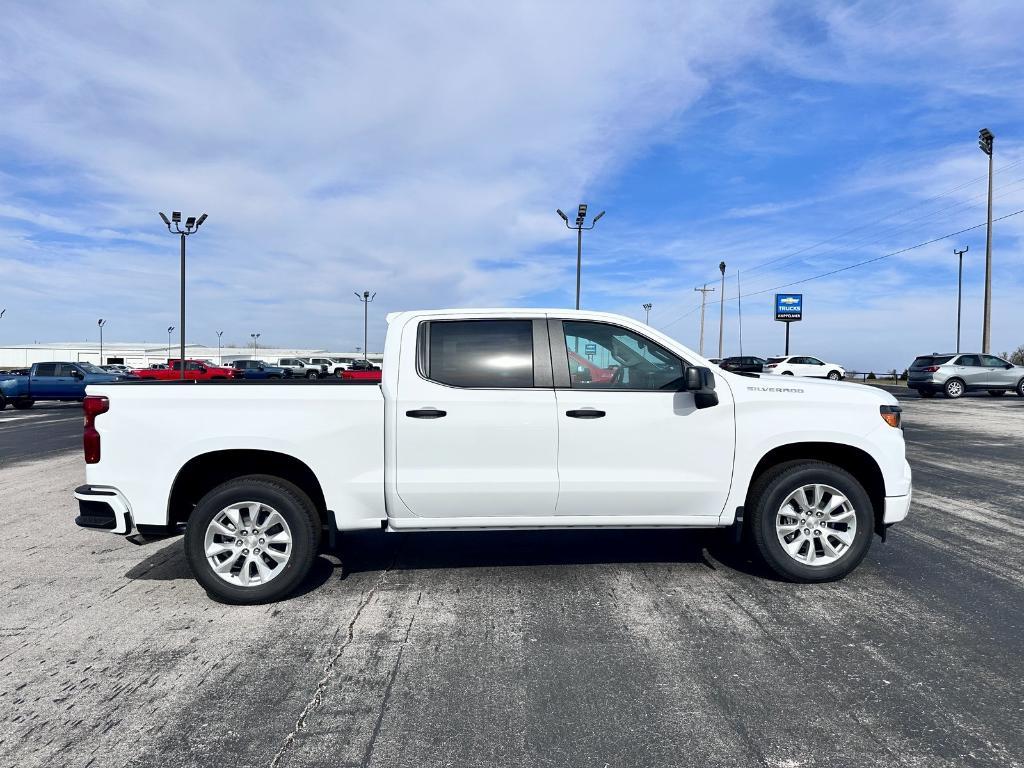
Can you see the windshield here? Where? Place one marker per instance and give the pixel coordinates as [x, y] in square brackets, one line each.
[776, 359]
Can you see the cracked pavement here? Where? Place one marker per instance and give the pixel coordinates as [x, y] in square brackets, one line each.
[558, 648]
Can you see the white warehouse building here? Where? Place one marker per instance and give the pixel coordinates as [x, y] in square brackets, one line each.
[144, 354]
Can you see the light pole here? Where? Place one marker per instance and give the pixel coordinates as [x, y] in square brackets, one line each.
[191, 227]
[366, 298]
[101, 322]
[220, 359]
[255, 341]
[647, 308]
[703, 300]
[985, 141]
[581, 215]
[170, 329]
[959, 291]
[721, 309]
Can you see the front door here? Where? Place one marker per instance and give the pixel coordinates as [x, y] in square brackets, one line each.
[629, 442]
[475, 421]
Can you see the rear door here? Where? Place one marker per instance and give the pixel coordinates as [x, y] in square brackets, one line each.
[476, 430]
[969, 368]
[629, 442]
[43, 381]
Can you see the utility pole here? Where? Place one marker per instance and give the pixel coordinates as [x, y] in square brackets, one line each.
[959, 292]
[255, 341]
[581, 215]
[647, 308]
[366, 298]
[985, 141]
[101, 322]
[721, 311]
[220, 359]
[739, 305]
[703, 300]
[192, 226]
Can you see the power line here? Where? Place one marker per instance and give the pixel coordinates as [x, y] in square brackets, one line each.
[845, 268]
[860, 227]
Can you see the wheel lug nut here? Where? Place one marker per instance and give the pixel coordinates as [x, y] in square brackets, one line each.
[238, 542]
[807, 531]
[257, 550]
[245, 532]
[245, 551]
[803, 520]
[262, 541]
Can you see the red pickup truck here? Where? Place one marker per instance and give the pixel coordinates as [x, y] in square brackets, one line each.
[195, 370]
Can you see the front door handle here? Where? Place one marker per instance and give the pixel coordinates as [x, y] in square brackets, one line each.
[426, 413]
[585, 413]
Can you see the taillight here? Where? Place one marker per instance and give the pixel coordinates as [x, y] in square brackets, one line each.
[931, 369]
[93, 405]
[772, 365]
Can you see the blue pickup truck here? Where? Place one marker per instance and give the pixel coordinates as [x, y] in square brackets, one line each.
[52, 381]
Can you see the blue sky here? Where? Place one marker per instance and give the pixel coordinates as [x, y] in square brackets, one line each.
[420, 152]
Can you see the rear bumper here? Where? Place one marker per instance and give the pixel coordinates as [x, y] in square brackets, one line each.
[926, 385]
[103, 508]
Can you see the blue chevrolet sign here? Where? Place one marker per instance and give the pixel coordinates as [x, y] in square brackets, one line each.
[789, 307]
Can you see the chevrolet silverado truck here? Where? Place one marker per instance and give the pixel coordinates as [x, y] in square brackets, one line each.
[483, 421]
[52, 381]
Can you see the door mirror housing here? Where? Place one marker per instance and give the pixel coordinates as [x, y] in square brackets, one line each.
[700, 381]
[203, 369]
[77, 373]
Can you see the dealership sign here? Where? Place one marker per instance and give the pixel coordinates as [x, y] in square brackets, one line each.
[789, 307]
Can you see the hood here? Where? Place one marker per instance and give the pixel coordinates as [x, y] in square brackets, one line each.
[820, 389]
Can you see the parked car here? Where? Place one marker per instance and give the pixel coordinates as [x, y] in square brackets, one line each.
[796, 365]
[327, 365]
[954, 374]
[362, 374]
[363, 365]
[195, 370]
[52, 381]
[743, 364]
[257, 369]
[300, 368]
[478, 424]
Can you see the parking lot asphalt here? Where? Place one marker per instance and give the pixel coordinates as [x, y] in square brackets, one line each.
[570, 648]
[43, 430]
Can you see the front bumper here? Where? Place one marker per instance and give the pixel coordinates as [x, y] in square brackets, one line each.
[896, 507]
[103, 508]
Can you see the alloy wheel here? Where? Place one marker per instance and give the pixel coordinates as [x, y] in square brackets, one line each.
[816, 524]
[248, 544]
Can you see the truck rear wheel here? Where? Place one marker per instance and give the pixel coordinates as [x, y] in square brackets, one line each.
[23, 405]
[811, 521]
[252, 539]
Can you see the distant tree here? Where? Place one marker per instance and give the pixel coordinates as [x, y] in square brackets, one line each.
[904, 374]
[871, 375]
[1016, 357]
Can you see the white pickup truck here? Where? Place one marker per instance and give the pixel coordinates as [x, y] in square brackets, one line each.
[508, 419]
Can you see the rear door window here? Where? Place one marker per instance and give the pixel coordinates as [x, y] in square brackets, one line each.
[493, 354]
[46, 369]
[969, 360]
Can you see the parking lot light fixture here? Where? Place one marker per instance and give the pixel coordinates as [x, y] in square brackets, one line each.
[255, 343]
[721, 310]
[581, 216]
[191, 227]
[647, 308]
[170, 330]
[986, 140]
[959, 291]
[366, 298]
[220, 360]
[100, 323]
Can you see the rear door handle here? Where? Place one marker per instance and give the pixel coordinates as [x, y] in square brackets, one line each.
[426, 413]
[585, 413]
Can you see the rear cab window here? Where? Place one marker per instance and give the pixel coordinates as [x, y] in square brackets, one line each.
[489, 354]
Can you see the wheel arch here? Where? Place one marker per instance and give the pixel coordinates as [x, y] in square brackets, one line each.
[856, 461]
[206, 471]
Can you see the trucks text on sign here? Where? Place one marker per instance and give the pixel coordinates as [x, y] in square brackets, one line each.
[789, 307]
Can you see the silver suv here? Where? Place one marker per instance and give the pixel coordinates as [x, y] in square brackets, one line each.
[954, 374]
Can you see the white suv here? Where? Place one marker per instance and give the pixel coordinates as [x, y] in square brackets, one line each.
[299, 368]
[796, 365]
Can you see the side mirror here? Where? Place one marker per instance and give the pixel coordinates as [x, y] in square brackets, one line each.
[203, 369]
[1009, 366]
[262, 367]
[77, 374]
[700, 381]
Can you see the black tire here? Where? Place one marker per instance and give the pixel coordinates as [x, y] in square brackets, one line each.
[1020, 388]
[273, 377]
[834, 376]
[312, 375]
[954, 388]
[767, 496]
[22, 405]
[787, 373]
[997, 392]
[925, 393]
[288, 500]
[3, 402]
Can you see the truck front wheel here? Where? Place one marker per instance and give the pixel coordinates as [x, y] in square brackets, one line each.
[811, 521]
[252, 539]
